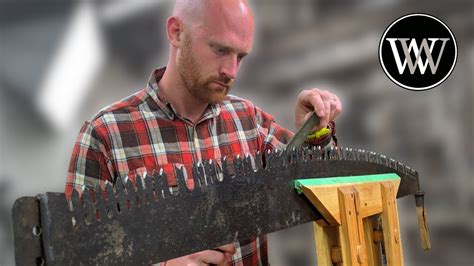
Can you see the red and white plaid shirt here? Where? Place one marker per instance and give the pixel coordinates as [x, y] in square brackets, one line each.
[143, 132]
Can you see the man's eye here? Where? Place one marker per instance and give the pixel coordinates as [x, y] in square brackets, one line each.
[220, 50]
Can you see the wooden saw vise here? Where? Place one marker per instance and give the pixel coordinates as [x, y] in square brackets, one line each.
[144, 222]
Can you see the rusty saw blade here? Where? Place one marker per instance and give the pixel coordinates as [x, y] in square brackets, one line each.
[145, 222]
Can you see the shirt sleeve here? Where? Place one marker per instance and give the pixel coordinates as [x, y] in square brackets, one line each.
[274, 136]
[89, 163]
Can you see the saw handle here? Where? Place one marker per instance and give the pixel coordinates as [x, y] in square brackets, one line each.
[422, 224]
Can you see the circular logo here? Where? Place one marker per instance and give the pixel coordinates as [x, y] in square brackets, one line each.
[418, 52]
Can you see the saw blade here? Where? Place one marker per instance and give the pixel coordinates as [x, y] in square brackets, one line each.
[145, 221]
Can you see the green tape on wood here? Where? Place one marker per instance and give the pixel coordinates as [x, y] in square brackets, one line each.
[342, 180]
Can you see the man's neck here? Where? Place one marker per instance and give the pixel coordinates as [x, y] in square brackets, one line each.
[182, 101]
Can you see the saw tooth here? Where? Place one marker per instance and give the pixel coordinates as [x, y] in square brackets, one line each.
[111, 200]
[182, 182]
[122, 205]
[295, 156]
[253, 161]
[280, 159]
[210, 171]
[378, 158]
[330, 153]
[365, 155]
[133, 200]
[140, 184]
[350, 154]
[258, 162]
[347, 154]
[357, 154]
[303, 155]
[310, 154]
[238, 171]
[219, 171]
[89, 206]
[289, 154]
[314, 152]
[247, 167]
[334, 152]
[372, 157]
[162, 190]
[78, 208]
[148, 191]
[399, 166]
[353, 154]
[270, 159]
[141, 191]
[383, 160]
[181, 174]
[319, 153]
[100, 203]
[324, 155]
[227, 172]
[342, 153]
[339, 153]
[412, 172]
[407, 169]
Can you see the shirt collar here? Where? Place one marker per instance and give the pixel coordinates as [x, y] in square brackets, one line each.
[213, 110]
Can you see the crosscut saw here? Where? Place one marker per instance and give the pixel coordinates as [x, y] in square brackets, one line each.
[146, 221]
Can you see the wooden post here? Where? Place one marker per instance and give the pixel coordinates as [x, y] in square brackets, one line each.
[391, 228]
[352, 243]
[326, 238]
[374, 250]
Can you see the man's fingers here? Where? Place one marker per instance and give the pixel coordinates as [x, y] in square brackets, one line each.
[326, 105]
[333, 102]
[338, 108]
[229, 248]
[323, 122]
[209, 257]
[318, 104]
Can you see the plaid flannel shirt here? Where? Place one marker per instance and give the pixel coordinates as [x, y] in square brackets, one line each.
[143, 132]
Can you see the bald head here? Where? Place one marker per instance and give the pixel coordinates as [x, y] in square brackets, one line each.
[199, 13]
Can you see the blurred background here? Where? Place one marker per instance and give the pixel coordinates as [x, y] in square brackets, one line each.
[62, 61]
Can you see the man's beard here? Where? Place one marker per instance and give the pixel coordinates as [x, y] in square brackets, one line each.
[200, 87]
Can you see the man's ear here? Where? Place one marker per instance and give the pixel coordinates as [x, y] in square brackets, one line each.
[174, 30]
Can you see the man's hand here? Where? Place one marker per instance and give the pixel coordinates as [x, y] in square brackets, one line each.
[219, 256]
[327, 107]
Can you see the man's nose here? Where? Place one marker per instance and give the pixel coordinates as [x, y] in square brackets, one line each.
[230, 67]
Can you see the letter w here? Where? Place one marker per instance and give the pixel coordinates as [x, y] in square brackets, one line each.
[418, 61]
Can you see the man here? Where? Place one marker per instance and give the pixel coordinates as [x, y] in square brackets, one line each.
[185, 114]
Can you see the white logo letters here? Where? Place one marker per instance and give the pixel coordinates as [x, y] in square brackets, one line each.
[417, 50]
